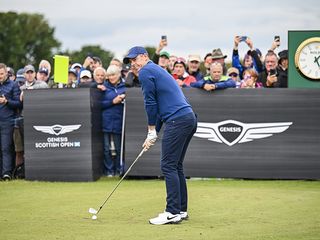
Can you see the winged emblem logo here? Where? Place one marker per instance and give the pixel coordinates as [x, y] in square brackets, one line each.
[231, 132]
[57, 129]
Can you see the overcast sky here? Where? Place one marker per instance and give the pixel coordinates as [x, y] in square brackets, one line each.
[191, 26]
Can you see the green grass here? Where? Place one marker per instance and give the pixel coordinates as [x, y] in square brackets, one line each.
[227, 209]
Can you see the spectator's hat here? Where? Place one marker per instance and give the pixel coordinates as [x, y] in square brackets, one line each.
[283, 54]
[85, 73]
[180, 60]
[73, 71]
[20, 76]
[10, 71]
[133, 53]
[44, 70]
[97, 59]
[217, 54]
[165, 54]
[233, 70]
[29, 68]
[75, 65]
[194, 57]
[207, 55]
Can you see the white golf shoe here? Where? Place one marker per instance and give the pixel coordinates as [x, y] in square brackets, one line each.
[184, 215]
[165, 218]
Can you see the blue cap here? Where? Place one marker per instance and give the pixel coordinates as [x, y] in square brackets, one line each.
[133, 53]
[20, 76]
[44, 70]
[73, 71]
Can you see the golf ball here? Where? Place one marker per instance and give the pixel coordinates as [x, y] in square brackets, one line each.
[94, 217]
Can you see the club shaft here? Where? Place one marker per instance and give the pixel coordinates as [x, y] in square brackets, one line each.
[114, 189]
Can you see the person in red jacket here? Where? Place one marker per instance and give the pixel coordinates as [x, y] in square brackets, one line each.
[180, 74]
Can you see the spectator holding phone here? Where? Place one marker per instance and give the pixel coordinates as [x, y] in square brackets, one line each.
[163, 60]
[250, 60]
[276, 43]
[161, 57]
[91, 63]
[269, 77]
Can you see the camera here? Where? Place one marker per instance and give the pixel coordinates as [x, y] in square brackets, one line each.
[277, 40]
[243, 38]
[273, 72]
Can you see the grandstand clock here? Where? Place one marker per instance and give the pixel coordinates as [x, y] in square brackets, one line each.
[307, 58]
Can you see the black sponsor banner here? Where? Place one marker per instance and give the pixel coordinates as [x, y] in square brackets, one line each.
[63, 140]
[242, 133]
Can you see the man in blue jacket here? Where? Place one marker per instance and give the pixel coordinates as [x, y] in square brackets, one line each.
[215, 80]
[9, 102]
[164, 99]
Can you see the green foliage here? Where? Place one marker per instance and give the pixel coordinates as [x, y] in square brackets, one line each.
[25, 39]
[93, 50]
[150, 50]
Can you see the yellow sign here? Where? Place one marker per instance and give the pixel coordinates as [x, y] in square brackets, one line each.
[61, 67]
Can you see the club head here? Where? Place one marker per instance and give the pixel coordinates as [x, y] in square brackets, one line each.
[92, 211]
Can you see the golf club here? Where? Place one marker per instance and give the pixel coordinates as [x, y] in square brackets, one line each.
[96, 212]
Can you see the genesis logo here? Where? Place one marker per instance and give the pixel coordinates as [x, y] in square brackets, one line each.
[231, 132]
[57, 129]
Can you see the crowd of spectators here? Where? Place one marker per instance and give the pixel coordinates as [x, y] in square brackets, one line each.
[254, 70]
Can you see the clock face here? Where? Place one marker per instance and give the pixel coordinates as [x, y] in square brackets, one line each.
[307, 58]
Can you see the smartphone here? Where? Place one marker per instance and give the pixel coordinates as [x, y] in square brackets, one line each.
[277, 38]
[163, 37]
[273, 72]
[89, 54]
[243, 38]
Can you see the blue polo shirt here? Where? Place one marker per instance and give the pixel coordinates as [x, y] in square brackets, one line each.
[162, 95]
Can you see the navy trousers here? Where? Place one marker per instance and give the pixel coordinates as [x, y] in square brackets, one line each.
[176, 137]
[6, 144]
[112, 167]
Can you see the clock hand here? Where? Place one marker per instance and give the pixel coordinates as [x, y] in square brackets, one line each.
[316, 60]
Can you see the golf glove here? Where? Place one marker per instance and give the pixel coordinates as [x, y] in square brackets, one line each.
[151, 139]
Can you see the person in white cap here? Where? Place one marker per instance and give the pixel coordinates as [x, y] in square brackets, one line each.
[193, 66]
[85, 79]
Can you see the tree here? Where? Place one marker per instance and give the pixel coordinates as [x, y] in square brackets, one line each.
[151, 50]
[95, 50]
[25, 39]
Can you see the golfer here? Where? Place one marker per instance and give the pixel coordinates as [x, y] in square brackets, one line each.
[164, 100]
